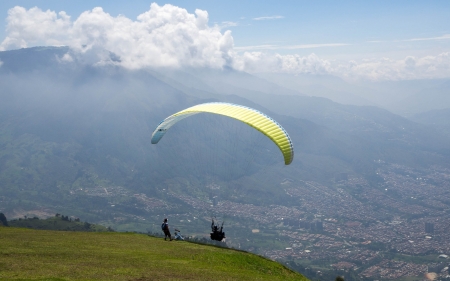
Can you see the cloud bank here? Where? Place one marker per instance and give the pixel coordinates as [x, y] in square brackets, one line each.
[169, 36]
[292, 64]
[164, 36]
[409, 68]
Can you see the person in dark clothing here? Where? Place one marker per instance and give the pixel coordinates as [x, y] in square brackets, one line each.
[165, 228]
[217, 234]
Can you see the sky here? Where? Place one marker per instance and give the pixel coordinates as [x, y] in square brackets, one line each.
[373, 39]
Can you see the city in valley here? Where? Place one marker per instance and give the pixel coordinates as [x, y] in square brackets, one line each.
[397, 229]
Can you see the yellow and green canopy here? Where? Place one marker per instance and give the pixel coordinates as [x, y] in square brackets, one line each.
[249, 116]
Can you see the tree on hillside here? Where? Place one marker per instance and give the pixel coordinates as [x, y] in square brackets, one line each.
[339, 278]
[3, 219]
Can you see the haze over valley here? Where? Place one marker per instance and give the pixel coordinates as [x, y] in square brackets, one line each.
[367, 195]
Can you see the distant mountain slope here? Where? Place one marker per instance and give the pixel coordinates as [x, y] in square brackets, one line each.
[71, 129]
[439, 119]
[325, 86]
[436, 97]
[29, 254]
[226, 81]
[31, 59]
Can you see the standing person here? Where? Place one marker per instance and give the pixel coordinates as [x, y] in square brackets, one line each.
[165, 228]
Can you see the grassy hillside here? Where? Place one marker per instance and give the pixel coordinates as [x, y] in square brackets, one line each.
[51, 255]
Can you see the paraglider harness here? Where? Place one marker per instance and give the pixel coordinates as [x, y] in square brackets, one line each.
[178, 235]
[217, 232]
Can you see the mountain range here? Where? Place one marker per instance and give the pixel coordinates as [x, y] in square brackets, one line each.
[69, 125]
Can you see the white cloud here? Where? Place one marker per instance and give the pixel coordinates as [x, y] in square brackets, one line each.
[310, 46]
[45, 27]
[67, 58]
[443, 37]
[226, 24]
[409, 68]
[289, 47]
[257, 47]
[163, 36]
[1, 63]
[169, 36]
[269, 18]
[262, 62]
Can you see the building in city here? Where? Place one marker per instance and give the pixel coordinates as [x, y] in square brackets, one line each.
[429, 227]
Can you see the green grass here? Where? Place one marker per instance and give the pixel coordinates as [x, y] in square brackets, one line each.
[27, 254]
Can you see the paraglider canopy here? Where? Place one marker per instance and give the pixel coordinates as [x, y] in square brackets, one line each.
[247, 115]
